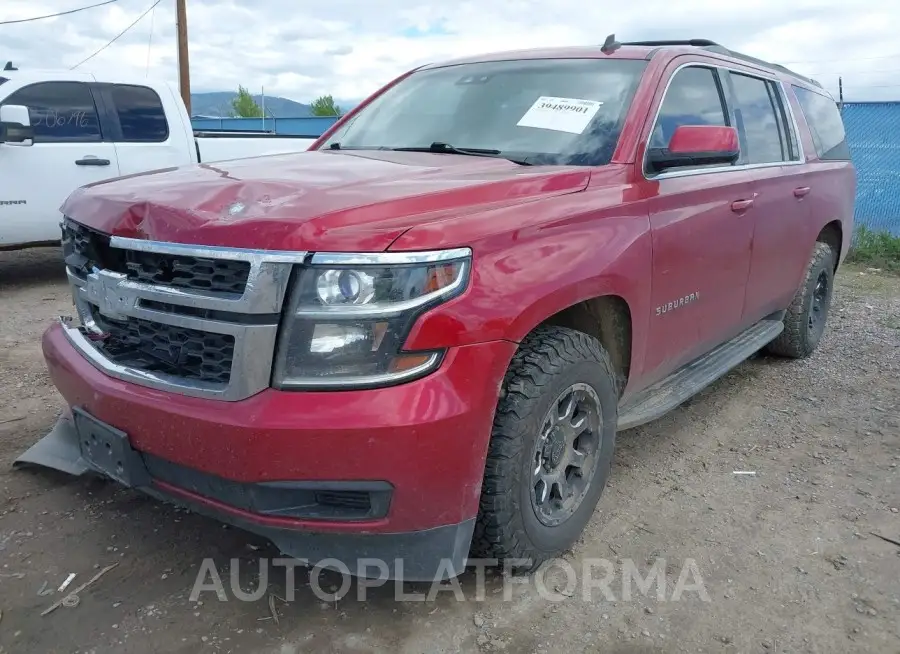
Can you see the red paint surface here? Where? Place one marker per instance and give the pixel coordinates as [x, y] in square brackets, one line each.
[543, 238]
[428, 438]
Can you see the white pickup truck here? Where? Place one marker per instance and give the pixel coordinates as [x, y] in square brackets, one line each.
[62, 130]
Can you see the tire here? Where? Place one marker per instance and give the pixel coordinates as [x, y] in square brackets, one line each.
[805, 320]
[519, 507]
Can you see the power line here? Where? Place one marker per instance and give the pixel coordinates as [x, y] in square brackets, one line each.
[117, 36]
[61, 13]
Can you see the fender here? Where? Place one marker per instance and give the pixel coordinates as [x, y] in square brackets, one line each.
[521, 278]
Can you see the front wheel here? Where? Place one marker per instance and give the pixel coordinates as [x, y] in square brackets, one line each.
[805, 320]
[551, 448]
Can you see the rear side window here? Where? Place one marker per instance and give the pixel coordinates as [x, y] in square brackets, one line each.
[693, 98]
[141, 114]
[759, 119]
[825, 124]
[60, 112]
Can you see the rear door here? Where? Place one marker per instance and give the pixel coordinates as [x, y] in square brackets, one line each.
[782, 186]
[702, 223]
[140, 128]
[69, 150]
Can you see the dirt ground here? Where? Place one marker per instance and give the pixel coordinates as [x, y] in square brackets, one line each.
[787, 556]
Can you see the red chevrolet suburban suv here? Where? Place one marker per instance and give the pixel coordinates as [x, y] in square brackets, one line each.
[416, 342]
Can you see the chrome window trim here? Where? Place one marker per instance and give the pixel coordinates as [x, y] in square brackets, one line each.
[388, 258]
[779, 84]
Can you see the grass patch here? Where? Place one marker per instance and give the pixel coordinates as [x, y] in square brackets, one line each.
[856, 279]
[875, 249]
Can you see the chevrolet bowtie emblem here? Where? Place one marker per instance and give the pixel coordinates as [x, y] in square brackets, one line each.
[107, 291]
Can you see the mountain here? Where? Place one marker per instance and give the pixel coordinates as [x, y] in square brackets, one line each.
[218, 103]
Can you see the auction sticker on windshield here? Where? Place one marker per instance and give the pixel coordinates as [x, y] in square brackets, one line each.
[560, 114]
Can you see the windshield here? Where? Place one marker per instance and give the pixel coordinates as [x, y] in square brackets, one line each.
[542, 111]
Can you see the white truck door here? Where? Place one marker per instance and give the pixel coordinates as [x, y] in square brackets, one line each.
[146, 128]
[68, 151]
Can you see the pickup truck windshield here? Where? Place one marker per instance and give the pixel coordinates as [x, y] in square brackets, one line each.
[541, 111]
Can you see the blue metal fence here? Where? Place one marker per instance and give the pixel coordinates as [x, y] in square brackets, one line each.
[873, 132]
[310, 126]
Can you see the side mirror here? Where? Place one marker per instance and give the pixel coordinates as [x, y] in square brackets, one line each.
[697, 145]
[15, 125]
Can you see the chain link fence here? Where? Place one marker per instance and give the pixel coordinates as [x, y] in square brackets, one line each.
[873, 133]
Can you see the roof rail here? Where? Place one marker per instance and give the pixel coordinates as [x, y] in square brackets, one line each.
[712, 46]
[700, 43]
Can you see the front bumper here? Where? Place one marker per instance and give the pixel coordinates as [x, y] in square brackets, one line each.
[423, 443]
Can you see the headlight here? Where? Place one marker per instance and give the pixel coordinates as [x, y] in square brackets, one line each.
[349, 315]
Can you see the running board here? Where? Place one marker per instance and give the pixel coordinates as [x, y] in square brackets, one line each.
[668, 393]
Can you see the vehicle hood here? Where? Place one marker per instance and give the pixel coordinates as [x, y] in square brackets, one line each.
[339, 201]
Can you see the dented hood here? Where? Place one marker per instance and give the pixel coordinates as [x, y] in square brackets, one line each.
[350, 200]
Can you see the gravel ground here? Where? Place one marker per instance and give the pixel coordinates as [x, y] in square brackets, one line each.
[786, 558]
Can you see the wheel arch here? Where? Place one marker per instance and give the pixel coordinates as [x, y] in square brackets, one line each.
[608, 318]
[833, 234]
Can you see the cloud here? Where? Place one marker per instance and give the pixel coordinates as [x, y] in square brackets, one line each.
[348, 48]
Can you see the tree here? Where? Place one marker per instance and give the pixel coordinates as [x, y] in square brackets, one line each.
[324, 106]
[244, 106]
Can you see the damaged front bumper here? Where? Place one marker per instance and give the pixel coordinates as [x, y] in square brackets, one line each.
[78, 444]
[391, 474]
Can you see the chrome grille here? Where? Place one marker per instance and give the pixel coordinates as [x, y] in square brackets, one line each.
[199, 321]
[174, 351]
[218, 275]
[82, 245]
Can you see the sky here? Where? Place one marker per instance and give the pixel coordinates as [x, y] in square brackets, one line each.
[300, 49]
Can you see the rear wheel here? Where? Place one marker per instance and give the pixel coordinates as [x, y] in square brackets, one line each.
[551, 447]
[807, 316]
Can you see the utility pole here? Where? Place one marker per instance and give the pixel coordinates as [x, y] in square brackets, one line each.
[184, 66]
[841, 91]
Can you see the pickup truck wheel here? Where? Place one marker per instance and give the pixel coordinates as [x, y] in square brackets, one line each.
[551, 448]
[805, 320]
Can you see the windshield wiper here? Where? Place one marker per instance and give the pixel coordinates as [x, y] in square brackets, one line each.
[441, 147]
[445, 148]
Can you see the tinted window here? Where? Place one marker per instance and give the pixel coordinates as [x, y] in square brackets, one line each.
[553, 111]
[59, 111]
[825, 124]
[140, 113]
[692, 98]
[758, 120]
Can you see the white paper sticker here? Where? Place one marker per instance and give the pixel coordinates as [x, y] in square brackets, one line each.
[560, 114]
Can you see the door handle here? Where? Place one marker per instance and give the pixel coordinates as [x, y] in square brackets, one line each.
[91, 161]
[801, 191]
[739, 206]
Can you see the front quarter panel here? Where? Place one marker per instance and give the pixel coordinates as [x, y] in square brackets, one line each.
[532, 261]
